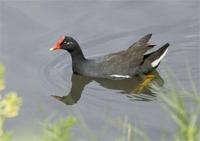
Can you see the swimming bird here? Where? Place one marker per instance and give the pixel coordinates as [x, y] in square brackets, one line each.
[124, 64]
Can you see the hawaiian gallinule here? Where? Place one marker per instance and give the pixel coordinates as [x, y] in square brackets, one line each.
[124, 64]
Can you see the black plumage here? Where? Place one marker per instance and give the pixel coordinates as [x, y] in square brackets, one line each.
[125, 64]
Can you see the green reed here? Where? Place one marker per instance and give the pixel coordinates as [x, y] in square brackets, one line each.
[185, 117]
[59, 130]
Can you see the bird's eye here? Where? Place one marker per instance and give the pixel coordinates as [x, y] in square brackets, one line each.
[68, 43]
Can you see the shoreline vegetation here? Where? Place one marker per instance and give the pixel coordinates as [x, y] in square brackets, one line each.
[10, 104]
[186, 119]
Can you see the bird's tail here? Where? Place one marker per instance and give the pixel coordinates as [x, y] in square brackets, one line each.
[153, 59]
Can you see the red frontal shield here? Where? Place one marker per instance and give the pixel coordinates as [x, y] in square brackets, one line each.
[57, 44]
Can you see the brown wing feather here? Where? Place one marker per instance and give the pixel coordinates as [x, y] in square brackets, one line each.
[134, 53]
[126, 59]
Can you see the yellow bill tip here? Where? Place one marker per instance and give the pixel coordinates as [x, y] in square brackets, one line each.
[51, 49]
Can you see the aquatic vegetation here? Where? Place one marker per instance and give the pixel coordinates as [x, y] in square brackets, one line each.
[129, 132]
[5, 136]
[9, 106]
[2, 71]
[58, 131]
[186, 118]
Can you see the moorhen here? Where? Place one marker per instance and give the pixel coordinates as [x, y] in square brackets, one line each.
[124, 64]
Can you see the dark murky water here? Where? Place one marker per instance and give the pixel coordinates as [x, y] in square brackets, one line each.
[29, 29]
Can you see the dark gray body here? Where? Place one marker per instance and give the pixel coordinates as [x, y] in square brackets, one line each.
[125, 63]
[103, 67]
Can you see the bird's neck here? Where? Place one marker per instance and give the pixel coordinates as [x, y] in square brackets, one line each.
[78, 59]
[77, 55]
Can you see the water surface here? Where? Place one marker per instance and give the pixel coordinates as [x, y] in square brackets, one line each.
[30, 28]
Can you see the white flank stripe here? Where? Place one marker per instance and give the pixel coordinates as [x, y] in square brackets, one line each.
[157, 61]
[120, 76]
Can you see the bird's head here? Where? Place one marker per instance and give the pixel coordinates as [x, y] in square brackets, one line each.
[66, 43]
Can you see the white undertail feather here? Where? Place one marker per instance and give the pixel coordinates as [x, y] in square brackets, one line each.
[120, 76]
[157, 61]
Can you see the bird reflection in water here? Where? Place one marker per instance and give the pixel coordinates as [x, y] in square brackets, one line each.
[136, 88]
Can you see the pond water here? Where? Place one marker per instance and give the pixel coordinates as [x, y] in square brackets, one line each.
[41, 78]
